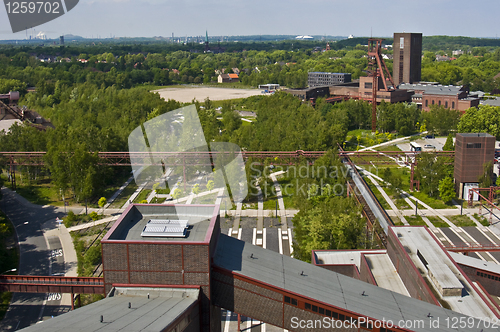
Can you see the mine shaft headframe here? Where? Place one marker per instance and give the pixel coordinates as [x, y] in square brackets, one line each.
[377, 64]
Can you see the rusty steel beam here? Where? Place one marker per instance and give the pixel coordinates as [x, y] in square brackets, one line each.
[471, 247]
[51, 284]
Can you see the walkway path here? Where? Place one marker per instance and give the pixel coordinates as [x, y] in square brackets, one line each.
[117, 193]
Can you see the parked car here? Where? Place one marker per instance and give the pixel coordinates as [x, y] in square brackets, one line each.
[429, 147]
[429, 137]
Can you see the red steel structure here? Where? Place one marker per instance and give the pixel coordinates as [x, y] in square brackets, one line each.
[377, 68]
[489, 201]
[279, 158]
[52, 284]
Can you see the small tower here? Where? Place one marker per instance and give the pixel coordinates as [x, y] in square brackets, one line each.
[207, 48]
[328, 46]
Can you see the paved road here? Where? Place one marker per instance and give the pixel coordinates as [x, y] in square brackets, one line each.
[35, 259]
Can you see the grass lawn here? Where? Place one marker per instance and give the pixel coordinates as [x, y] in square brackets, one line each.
[143, 195]
[434, 203]
[207, 199]
[402, 204]
[482, 220]
[39, 192]
[438, 222]
[392, 147]
[461, 221]
[124, 196]
[415, 220]
[288, 189]
[379, 196]
[157, 200]
[270, 204]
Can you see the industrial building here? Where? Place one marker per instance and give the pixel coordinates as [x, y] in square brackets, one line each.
[407, 54]
[168, 268]
[316, 79]
[433, 94]
[415, 264]
[472, 152]
[11, 113]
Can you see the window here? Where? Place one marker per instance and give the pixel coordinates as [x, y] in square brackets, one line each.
[477, 145]
[439, 103]
[453, 104]
[335, 315]
[321, 311]
[446, 104]
[308, 306]
[314, 308]
[426, 102]
[287, 299]
[433, 102]
[341, 317]
[368, 85]
[470, 145]
[294, 302]
[328, 313]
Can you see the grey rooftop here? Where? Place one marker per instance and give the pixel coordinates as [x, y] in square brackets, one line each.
[162, 308]
[132, 223]
[331, 288]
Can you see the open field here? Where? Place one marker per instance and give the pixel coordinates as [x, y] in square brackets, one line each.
[187, 94]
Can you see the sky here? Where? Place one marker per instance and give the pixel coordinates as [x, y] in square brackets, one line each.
[379, 18]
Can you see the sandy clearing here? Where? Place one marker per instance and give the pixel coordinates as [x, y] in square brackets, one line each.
[186, 95]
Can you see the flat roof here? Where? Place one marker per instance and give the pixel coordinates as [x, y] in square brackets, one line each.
[162, 308]
[385, 274]
[475, 135]
[130, 225]
[324, 72]
[331, 288]
[418, 243]
[431, 89]
[342, 257]
[475, 262]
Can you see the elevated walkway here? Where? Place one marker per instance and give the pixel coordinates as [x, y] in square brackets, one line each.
[52, 284]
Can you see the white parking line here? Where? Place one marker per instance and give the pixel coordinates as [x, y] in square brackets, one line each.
[280, 242]
[228, 319]
[290, 241]
[264, 240]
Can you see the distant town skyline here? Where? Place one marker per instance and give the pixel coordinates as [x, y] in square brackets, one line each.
[149, 18]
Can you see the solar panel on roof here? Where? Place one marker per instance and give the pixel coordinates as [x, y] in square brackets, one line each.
[165, 228]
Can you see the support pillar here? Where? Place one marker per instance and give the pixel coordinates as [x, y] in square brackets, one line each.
[72, 301]
[239, 321]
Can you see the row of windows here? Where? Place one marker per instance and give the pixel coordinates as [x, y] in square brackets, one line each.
[331, 314]
[292, 301]
[473, 145]
[439, 103]
[489, 276]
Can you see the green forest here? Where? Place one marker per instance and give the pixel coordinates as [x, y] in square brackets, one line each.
[95, 104]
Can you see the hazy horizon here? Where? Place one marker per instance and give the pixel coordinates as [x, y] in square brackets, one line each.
[150, 18]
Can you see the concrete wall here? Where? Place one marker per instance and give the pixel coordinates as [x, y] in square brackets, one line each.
[365, 272]
[411, 277]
